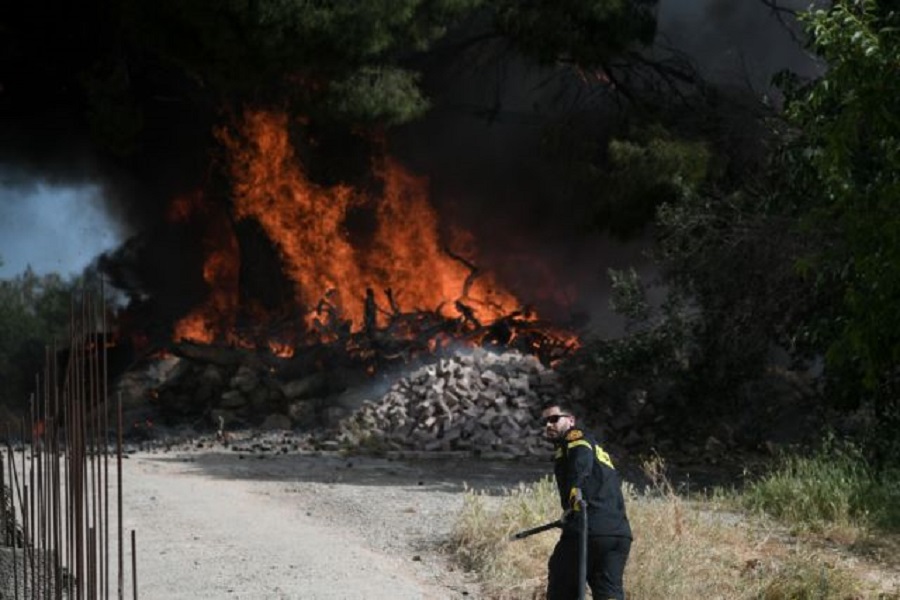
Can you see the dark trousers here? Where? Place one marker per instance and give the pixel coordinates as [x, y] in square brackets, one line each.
[607, 556]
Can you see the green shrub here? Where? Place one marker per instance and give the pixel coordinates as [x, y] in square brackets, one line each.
[833, 486]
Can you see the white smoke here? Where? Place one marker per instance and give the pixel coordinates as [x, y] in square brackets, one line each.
[53, 227]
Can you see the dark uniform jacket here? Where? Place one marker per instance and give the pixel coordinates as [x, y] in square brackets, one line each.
[580, 462]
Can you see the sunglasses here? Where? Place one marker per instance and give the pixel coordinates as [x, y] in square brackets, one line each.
[553, 418]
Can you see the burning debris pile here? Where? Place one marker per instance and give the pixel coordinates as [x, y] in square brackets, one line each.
[313, 263]
[480, 402]
[299, 291]
[285, 265]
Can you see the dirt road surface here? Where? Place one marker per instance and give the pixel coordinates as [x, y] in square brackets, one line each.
[221, 524]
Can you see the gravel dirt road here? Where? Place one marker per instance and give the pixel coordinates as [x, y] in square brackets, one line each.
[218, 523]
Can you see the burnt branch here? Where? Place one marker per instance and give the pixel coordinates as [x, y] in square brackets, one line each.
[474, 271]
[395, 308]
[467, 313]
[777, 9]
[370, 312]
[783, 13]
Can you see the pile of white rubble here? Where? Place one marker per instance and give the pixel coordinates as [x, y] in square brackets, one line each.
[476, 401]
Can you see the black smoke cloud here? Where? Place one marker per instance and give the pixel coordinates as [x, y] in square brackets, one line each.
[742, 42]
[482, 148]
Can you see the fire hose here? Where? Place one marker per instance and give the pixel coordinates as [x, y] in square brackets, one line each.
[583, 550]
[557, 524]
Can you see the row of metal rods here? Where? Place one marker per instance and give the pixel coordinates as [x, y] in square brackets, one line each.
[55, 507]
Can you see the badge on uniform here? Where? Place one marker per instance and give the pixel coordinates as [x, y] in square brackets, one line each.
[575, 434]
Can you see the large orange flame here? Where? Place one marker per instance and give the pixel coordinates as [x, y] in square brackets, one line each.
[215, 317]
[342, 283]
[333, 273]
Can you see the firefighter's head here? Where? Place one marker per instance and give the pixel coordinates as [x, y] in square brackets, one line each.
[557, 420]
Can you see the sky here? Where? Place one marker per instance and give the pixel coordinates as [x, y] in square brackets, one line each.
[53, 228]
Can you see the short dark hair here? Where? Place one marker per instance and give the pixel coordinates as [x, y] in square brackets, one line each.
[564, 408]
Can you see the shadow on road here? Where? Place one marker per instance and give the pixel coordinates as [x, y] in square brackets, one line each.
[446, 473]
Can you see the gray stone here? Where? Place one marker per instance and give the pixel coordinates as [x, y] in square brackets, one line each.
[245, 379]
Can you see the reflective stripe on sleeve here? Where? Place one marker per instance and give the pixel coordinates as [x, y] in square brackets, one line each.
[578, 443]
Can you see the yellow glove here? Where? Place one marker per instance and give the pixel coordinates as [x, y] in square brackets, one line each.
[575, 499]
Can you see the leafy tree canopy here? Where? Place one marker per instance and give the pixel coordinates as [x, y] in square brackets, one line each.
[844, 164]
[804, 257]
[645, 170]
[337, 58]
[34, 311]
[587, 33]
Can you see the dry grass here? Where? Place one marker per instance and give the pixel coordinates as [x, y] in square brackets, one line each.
[682, 549]
[480, 540]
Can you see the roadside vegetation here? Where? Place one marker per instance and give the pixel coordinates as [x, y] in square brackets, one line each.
[34, 314]
[828, 491]
[772, 540]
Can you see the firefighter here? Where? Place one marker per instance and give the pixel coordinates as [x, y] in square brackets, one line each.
[585, 476]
